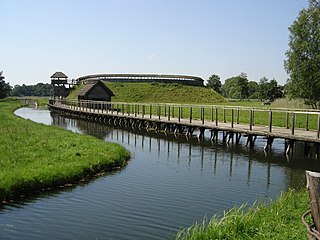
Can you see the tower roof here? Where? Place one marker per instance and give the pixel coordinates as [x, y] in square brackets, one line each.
[59, 75]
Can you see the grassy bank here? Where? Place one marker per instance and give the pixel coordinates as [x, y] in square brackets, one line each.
[159, 93]
[36, 157]
[279, 220]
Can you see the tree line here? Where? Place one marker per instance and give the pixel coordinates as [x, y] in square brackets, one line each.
[239, 87]
[39, 90]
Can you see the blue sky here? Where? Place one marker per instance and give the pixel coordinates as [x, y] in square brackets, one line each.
[200, 38]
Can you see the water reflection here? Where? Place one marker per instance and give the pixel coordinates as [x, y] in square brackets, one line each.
[173, 146]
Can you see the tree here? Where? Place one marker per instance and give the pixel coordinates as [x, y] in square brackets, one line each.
[263, 88]
[4, 87]
[252, 89]
[243, 85]
[236, 87]
[215, 83]
[303, 56]
[269, 90]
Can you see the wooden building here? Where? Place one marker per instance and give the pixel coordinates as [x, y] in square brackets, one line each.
[59, 81]
[95, 91]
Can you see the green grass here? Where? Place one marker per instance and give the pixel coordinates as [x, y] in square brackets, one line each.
[159, 93]
[36, 157]
[279, 220]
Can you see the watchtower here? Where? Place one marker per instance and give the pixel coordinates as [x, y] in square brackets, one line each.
[59, 81]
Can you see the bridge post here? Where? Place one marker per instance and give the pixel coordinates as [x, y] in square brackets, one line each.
[232, 117]
[202, 117]
[173, 111]
[165, 110]
[159, 112]
[212, 109]
[122, 110]
[217, 116]
[252, 116]
[150, 109]
[128, 109]
[238, 115]
[251, 119]
[287, 119]
[143, 110]
[135, 110]
[318, 129]
[270, 121]
[224, 115]
[293, 123]
[169, 113]
[190, 114]
[268, 144]
[179, 113]
[307, 121]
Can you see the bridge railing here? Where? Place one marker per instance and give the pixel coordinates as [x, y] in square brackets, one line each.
[292, 119]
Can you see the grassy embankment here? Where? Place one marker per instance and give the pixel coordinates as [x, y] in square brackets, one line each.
[160, 93]
[35, 157]
[279, 220]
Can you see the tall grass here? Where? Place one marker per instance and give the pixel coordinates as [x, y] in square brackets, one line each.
[34, 156]
[289, 103]
[279, 220]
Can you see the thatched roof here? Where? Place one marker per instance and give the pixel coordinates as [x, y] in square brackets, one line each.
[59, 75]
[86, 89]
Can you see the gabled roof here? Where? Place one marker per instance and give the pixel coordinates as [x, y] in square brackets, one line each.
[59, 75]
[86, 89]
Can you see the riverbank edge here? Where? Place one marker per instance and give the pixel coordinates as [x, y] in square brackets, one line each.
[27, 170]
[280, 219]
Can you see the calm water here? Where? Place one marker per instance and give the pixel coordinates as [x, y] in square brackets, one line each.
[168, 183]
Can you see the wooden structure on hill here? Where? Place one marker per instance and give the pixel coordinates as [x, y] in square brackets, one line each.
[95, 91]
[61, 87]
[163, 78]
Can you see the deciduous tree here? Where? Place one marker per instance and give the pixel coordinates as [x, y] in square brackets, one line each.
[303, 56]
[215, 83]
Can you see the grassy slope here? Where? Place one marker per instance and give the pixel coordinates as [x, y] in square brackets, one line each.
[160, 93]
[35, 156]
[280, 220]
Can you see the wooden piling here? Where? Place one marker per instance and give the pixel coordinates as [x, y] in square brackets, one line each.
[313, 186]
[270, 121]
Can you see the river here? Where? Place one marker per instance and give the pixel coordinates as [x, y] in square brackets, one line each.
[170, 182]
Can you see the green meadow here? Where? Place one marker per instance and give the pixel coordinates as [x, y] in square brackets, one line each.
[35, 157]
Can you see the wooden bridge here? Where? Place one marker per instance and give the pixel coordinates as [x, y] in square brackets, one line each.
[233, 122]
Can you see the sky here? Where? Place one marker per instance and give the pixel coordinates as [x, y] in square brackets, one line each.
[188, 37]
